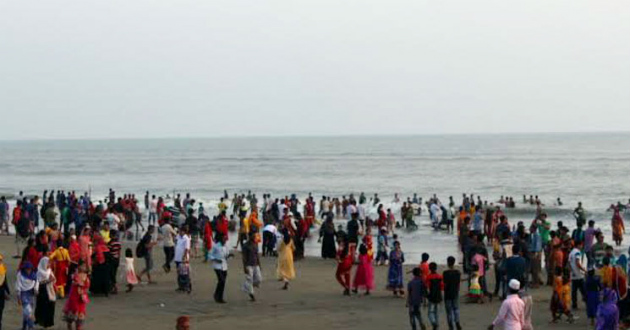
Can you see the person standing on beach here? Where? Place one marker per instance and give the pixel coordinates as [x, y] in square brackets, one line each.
[452, 279]
[4, 216]
[219, 256]
[395, 273]
[145, 246]
[285, 270]
[168, 236]
[344, 265]
[251, 266]
[512, 313]
[182, 249]
[416, 293]
[435, 287]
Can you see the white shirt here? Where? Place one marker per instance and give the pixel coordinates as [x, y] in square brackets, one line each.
[183, 244]
[271, 228]
[574, 257]
[361, 210]
[153, 206]
[281, 210]
[219, 256]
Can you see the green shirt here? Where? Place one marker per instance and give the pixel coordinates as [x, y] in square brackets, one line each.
[544, 229]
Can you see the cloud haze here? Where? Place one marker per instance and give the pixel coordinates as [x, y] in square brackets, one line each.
[193, 68]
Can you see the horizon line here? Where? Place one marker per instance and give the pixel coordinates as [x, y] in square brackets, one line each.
[392, 135]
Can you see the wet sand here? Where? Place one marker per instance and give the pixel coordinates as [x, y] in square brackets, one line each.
[314, 301]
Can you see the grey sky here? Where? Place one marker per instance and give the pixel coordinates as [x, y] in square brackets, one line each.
[98, 69]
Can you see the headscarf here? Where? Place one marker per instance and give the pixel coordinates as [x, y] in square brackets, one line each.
[44, 274]
[43, 271]
[3, 270]
[25, 281]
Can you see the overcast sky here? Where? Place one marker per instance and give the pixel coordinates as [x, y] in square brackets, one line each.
[193, 68]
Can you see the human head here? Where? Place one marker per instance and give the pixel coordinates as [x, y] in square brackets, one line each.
[128, 253]
[363, 249]
[433, 267]
[416, 272]
[425, 257]
[183, 323]
[450, 261]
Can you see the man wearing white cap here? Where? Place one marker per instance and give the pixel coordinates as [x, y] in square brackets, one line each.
[512, 313]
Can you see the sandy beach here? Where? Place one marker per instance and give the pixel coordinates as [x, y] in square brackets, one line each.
[314, 301]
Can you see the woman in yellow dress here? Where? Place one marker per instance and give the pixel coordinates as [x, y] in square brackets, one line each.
[285, 270]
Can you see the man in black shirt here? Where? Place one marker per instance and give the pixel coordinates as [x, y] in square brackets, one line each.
[452, 278]
[353, 233]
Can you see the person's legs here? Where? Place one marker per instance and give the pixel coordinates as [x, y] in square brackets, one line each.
[248, 285]
[433, 314]
[414, 314]
[450, 313]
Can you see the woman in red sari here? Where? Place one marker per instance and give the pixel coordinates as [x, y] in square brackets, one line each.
[74, 311]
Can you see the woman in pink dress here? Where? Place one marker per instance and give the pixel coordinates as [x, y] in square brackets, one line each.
[364, 277]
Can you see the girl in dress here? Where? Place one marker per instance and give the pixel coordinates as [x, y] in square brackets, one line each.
[395, 273]
[130, 272]
[475, 294]
[364, 277]
[46, 296]
[25, 287]
[74, 312]
[344, 266]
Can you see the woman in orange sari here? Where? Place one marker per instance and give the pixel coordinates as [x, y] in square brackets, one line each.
[617, 225]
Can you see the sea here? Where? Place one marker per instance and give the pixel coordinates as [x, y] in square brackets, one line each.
[593, 168]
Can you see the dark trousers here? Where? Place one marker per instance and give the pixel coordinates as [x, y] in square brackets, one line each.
[169, 254]
[268, 243]
[1, 310]
[577, 285]
[113, 271]
[414, 314]
[221, 278]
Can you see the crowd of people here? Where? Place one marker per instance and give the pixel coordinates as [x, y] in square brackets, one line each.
[70, 248]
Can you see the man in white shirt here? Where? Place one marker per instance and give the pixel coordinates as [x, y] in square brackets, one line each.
[219, 256]
[182, 249]
[577, 273]
[153, 210]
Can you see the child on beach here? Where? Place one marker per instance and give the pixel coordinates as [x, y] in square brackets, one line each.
[561, 297]
[475, 294]
[416, 293]
[395, 273]
[593, 288]
[130, 272]
[435, 285]
[382, 246]
[364, 277]
[183, 277]
[424, 267]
